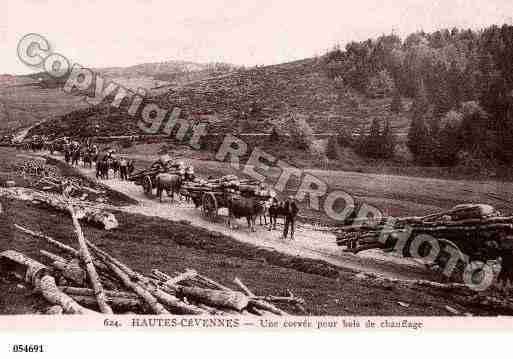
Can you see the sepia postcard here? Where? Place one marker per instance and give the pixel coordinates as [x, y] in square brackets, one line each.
[256, 165]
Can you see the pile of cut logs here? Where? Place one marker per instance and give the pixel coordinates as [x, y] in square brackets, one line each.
[37, 167]
[90, 280]
[478, 230]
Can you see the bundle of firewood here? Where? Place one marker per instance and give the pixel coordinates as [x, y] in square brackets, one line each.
[229, 183]
[478, 229]
[37, 167]
[92, 280]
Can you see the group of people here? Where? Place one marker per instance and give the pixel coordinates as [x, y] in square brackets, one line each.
[287, 209]
[87, 152]
[121, 166]
[167, 164]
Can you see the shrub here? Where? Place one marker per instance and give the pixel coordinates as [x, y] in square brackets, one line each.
[402, 154]
[274, 137]
[332, 148]
[345, 139]
[126, 143]
[301, 134]
[472, 164]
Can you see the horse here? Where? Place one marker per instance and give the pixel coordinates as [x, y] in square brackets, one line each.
[247, 207]
[102, 169]
[130, 167]
[87, 158]
[169, 182]
[114, 165]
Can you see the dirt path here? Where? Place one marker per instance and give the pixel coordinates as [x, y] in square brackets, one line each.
[308, 243]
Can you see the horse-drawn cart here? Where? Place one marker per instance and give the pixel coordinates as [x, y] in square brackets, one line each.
[147, 178]
[213, 194]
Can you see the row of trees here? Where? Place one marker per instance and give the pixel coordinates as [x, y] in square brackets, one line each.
[461, 83]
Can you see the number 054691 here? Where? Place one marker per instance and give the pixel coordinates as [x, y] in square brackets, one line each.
[32, 348]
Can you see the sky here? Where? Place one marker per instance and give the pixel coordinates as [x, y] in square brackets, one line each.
[106, 33]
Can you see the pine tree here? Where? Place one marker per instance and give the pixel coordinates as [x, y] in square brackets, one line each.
[418, 133]
[388, 141]
[448, 142]
[417, 138]
[372, 141]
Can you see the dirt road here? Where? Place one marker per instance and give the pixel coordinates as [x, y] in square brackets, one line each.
[308, 243]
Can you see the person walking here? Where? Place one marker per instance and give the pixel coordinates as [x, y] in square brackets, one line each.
[290, 211]
[130, 167]
[123, 169]
[274, 209]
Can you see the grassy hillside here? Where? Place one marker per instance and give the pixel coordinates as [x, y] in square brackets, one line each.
[24, 102]
[263, 94]
[251, 100]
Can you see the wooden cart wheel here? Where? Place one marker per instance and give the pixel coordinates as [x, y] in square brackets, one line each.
[147, 186]
[209, 205]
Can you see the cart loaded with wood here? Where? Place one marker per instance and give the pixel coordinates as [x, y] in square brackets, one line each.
[213, 194]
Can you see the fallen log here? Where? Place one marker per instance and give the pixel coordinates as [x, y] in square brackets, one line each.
[243, 287]
[36, 274]
[107, 258]
[90, 292]
[91, 270]
[72, 251]
[146, 286]
[52, 256]
[148, 298]
[208, 297]
[50, 240]
[173, 302]
[216, 298]
[115, 302]
[212, 283]
[256, 311]
[51, 293]
[187, 275]
[258, 303]
[22, 267]
[71, 272]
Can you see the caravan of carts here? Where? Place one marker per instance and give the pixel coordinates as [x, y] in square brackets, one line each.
[209, 194]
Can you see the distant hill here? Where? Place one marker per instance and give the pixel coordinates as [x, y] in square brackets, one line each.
[252, 100]
[26, 100]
